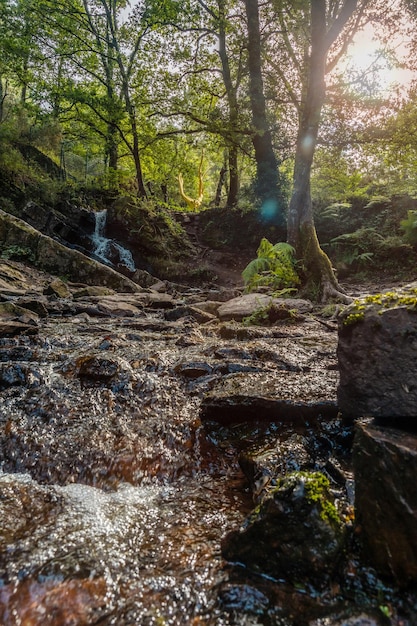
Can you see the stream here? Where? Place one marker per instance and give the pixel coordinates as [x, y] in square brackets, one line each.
[115, 495]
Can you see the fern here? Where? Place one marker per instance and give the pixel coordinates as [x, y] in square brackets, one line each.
[409, 226]
[274, 267]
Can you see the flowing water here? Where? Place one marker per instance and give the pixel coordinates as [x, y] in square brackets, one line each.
[104, 248]
[113, 501]
[114, 497]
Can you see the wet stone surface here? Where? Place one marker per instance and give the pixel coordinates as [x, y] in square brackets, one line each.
[118, 484]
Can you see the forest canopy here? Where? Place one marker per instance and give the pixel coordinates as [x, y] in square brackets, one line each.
[273, 106]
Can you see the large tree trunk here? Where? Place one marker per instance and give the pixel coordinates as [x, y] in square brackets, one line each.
[300, 223]
[267, 178]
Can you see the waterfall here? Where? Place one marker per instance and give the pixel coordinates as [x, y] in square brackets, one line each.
[107, 249]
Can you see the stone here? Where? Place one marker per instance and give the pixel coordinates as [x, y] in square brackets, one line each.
[13, 312]
[351, 618]
[97, 369]
[245, 306]
[385, 469]
[273, 541]
[377, 355]
[208, 306]
[17, 374]
[57, 288]
[11, 329]
[118, 309]
[92, 290]
[156, 300]
[281, 396]
[193, 369]
[201, 317]
[262, 466]
[37, 305]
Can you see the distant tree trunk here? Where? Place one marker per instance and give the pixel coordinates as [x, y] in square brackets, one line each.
[300, 224]
[231, 93]
[3, 96]
[164, 190]
[267, 186]
[220, 184]
[232, 196]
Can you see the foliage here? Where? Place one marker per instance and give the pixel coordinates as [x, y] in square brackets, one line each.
[356, 247]
[20, 253]
[409, 226]
[271, 313]
[274, 267]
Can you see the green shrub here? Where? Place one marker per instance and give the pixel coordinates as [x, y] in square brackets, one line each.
[409, 227]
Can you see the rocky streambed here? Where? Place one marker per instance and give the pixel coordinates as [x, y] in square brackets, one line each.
[139, 431]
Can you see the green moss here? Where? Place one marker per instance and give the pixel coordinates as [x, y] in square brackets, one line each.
[381, 302]
[317, 490]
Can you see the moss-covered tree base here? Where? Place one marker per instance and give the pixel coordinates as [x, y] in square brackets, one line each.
[320, 278]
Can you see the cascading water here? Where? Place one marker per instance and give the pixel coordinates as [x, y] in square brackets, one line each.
[105, 248]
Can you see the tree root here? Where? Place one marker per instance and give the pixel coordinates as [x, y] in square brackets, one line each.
[332, 291]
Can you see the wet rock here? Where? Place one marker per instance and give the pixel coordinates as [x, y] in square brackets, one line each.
[281, 396]
[10, 311]
[244, 333]
[16, 353]
[11, 329]
[352, 618]
[192, 338]
[118, 309]
[93, 290]
[244, 598]
[156, 300]
[193, 370]
[262, 466]
[37, 305]
[58, 288]
[377, 356]
[16, 374]
[273, 539]
[97, 369]
[24, 505]
[385, 469]
[53, 602]
[245, 306]
[189, 311]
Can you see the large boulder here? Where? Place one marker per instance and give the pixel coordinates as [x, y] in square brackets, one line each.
[69, 223]
[248, 304]
[51, 256]
[377, 355]
[385, 468]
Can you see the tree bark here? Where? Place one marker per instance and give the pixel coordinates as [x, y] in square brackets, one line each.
[267, 178]
[231, 94]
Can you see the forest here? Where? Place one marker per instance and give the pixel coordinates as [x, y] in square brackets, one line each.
[208, 312]
[298, 112]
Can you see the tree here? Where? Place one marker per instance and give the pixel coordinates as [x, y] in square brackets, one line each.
[327, 21]
[267, 178]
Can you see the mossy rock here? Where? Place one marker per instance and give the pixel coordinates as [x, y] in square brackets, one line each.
[295, 533]
[376, 355]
